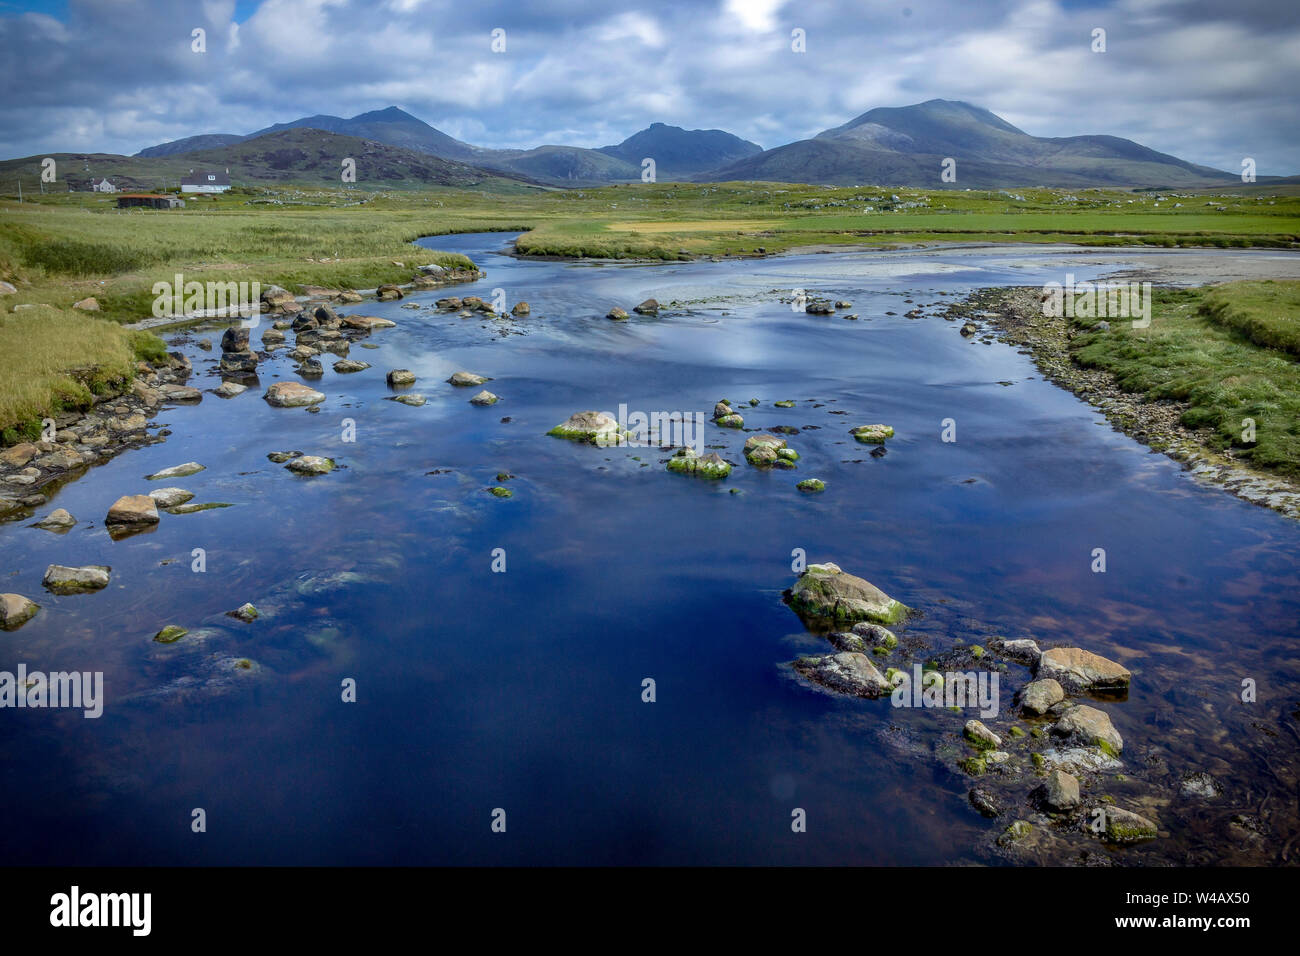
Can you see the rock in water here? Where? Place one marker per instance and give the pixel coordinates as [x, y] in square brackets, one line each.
[617, 314]
[311, 465]
[1125, 826]
[229, 389]
[1078, 670]
[65, 580]
[521, 308]
[176, 471]
[846, 673]
[57, 520]
[1039, 696]
[484, 398]
[598, 428]
[170, 497]
[292, 395]
[981, 736]
[399, 377]
[824, 591]
[872, 434]
[344, 366]
[1090, 726]
[15, 611]
[648, 307]
[1060, 791]
[133, 510]
[466, 379]
[688, 462]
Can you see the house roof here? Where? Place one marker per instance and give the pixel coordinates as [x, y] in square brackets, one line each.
[200, 178]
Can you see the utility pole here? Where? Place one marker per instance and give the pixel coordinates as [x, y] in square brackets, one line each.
[20, 191]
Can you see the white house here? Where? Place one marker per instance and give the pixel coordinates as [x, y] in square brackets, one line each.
[102, 186]
[205, 182]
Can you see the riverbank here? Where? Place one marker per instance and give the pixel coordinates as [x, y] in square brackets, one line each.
[1192, 386]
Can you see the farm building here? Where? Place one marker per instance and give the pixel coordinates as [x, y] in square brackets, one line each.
[102, 186]
[205, 181]
[148, 201]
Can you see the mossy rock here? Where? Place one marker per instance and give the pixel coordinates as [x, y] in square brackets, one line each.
[811, 485]
[498, 491]
[170, 634]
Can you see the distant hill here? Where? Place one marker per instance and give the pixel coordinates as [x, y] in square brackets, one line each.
[303, 156]
[204, 141]
[905, 146]
[680, 153]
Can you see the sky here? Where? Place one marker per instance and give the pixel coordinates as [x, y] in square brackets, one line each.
[1210, 81]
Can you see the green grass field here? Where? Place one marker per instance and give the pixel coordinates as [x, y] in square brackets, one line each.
[1230, 352]
[62, 247]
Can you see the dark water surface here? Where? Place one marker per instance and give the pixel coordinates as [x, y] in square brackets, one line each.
[522, 690]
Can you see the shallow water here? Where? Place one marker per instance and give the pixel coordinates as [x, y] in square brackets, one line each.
[522, 690]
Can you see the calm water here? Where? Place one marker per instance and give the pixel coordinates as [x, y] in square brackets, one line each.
[522, 690]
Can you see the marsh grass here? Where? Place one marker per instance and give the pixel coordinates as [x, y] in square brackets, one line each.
[1191, 355]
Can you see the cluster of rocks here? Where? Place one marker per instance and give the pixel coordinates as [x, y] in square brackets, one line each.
[78, 440]
[725, 416]
[769, 451]
[619, 314]
[1059, 746]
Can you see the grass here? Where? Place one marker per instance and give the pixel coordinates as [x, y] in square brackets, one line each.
[1227, 351]
[54, 361]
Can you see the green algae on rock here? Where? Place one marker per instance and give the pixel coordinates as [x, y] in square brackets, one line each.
[689, 462]
[824, 591]
[811, 485]
[170, 634]
[872, 434]
[597, 428]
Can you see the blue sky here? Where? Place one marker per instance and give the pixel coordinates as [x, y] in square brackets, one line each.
[1209, 81]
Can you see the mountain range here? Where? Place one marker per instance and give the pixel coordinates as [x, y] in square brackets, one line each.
[886, 146]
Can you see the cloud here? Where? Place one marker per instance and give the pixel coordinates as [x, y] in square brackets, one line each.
[1205, 81]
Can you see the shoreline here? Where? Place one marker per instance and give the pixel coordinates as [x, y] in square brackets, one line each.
[1013, 314]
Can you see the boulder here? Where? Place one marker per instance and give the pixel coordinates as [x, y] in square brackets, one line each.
[811, 485]
[235, 339]
[521, 308]
[1079, 671]
[245, 612]
[90, 304]
[292, 395]
[400, 377]
[272, 337]
[413, 399]
[688, 462]
[1059, 791]
[15, 611]
[170, 634]
[977, 733]
[176, 471]
[1088, 725]
[170, 497]
[872, 434]
[599, 428]
[65, 580]
[617, 314]
[19, 455]
[57, 520]
[826, 592]
[388, 291]
[648, 307]
[845, 673]
[1125, 826]
[229, 389]
[367, 323]
[769, 450]
[466, 379]
[344, 366]
[133, 510]
[311, 465]
[1040, 696]
[238, 363]
[1024, 651]
[484, 398]
[273, 296]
